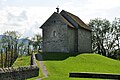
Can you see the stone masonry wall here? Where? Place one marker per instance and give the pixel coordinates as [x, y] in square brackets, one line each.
[20, 73]
[54, 35]
[84, 40]
[71, 39]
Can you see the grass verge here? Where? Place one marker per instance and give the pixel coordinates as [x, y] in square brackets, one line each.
[59, 69]
[22, 61]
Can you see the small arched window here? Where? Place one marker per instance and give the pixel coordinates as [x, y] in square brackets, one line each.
[54, 34]
[54, 21]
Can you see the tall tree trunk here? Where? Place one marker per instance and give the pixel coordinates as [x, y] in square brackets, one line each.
[103, 50]
[6, 53]
[15, 51]
[1, 58]
[28, 50]
[11, 61]
[39, 48]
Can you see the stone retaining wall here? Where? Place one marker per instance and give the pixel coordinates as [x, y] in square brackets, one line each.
[20, 73]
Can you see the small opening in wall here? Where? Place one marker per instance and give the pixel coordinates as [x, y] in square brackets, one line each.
[54, 21]
[54, 34]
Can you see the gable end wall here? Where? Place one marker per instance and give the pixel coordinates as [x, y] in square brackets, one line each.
[56, 43]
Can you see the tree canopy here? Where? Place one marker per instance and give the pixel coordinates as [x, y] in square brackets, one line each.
[105, 36]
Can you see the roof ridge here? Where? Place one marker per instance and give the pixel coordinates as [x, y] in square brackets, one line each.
[66, 21]
[77, 20]
[69, 13]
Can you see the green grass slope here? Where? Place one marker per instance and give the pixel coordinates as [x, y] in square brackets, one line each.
[22, 61]
[60, 69]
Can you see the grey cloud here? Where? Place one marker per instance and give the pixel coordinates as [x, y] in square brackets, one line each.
[12, 24]
[13, 18]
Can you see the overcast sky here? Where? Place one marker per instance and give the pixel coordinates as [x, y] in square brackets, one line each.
[26, 16]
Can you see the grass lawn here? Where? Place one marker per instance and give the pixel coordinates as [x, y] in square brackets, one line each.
[22, 61]
[60, 67]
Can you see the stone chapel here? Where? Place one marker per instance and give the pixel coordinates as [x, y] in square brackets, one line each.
[66, 32]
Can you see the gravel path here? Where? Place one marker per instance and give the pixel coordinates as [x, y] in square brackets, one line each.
[44, 70]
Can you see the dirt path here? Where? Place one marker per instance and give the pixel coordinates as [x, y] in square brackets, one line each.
[44, 70]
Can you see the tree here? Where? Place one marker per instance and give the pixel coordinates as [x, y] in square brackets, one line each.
[1, 58]
[5, 46]
[116, 31]
[1, 52]
[116, 36]
[100, 31]
[21, 47]
[36, 42]
[28, 45]
[10, 38]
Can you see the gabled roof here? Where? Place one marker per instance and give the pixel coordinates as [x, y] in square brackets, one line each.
[77, 20]
[71, 16]
[60, 18]
[64, 20]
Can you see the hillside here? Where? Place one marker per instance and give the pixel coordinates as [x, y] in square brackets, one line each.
[60, 69]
